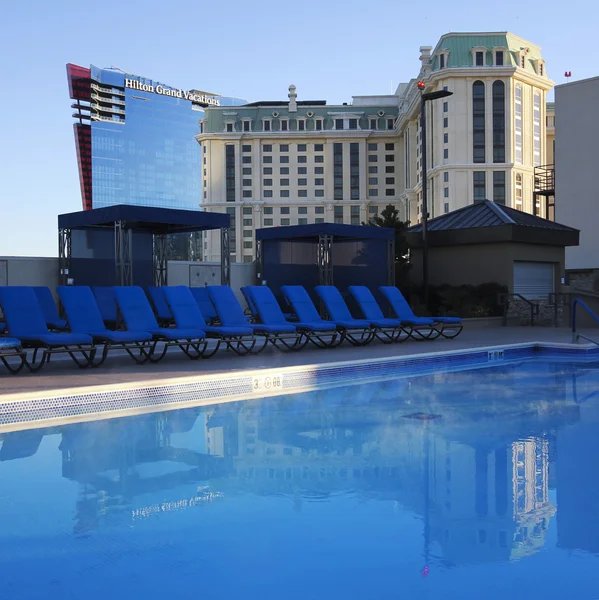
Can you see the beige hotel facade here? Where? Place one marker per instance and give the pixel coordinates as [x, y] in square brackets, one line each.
[279, 163]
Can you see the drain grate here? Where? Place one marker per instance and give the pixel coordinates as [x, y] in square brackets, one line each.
[420, 416]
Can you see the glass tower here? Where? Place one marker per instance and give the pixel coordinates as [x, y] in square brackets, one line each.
[135, 141]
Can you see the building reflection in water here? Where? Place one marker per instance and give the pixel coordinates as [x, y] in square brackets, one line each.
[476, 473]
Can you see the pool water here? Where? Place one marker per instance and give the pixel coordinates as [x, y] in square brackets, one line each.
[476, 484]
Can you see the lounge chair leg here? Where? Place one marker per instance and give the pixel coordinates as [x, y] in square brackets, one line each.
[212, 352]
[454, 334]
[34, 366]
[103, 357]
[152, 356]
[12, 368]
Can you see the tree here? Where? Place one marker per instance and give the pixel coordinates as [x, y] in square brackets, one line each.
[389, 217]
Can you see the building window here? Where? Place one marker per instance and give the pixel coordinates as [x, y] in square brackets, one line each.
[445, 122]
[446, 192]
[318, 147]
[354, 166]
[284, 193]
[338, 123]
[266, 125]
[319, 193]
[246, 125]
[389, 192]
[319, 181]
[246, 170]
[302, 193]
[446, 176]
[519, 191]
[407, 157]
[338, 171]
[229, 127]
[499, 187]
[246, 193]
[498, 122]
[446, 207]
[518, 122]
[301, 125]
[390, 124]
[284, 125]
[389, 158]
[445, 107]
[373, 181]
[478, 121]
[302, 159]
[522, 61]
[284, 148]
[389, 169]
[354, 212]
[390, 180]
[267, 182]
[284, 160]
[445, 153]
[247, 182]
[319, 170]
[247, 222]
[302, 147]
[248, 234]
[319, 210]
[480, 191]
[302, 221]
[230, 173]
[479, 59]
[353, 123]
[541, 69]
[302, 170]
[372, 170]
[284, 182]
[267, 148]
[267, 170]
[442, 61]
[283, 171]
[338, 214]
[390, 147]
[373, 193]
[267, 193]
[373, 124]
[445, 138]
[246, 148]
[319, 158]
[372, 147]
[246, 160]
[373, 210]
[302, 210]
[284, 210]
[319, 220]
[268, 210]
[499, 58]
[302, 181]
[536, 132]
[318, 124]
[268, 222]
[284, 221]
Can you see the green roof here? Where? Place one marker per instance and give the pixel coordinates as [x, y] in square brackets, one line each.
[460, 47]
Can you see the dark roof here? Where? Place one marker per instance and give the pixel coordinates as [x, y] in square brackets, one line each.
[486, 222]
[488, 214]
[286, 102]
[145, 218]
[347, 232]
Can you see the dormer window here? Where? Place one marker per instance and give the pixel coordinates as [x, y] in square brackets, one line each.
[443, 59]
[266, 125]
[301, 124]
[522, 55]
[246, 124]
[479, 54]
[230, 126]
[284, 124]
[539, 65]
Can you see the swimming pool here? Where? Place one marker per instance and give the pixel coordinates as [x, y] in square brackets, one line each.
[470, 484]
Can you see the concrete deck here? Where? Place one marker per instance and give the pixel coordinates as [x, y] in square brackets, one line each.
[63, 374]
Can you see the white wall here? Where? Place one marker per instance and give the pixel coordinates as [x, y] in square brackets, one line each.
[19, 270]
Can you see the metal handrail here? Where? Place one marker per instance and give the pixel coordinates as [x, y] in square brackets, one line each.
[504, 301]
[576, 336]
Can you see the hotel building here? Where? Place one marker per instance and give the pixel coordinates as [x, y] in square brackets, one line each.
[293, 162]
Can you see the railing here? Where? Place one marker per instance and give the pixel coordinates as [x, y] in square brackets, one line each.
[575, 335]
[504, 300]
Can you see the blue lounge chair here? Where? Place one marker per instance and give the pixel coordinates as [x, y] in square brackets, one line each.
[358, 332]
[422, 327]
[387, 330]
[9, 348]
[84, 316]
[202, 297]
[26, 321]
[46, 300]
[324, 333]
[106, 299]
[161, 309]
[188, 315]
[252, 311]
[138, 316]
[283, 335]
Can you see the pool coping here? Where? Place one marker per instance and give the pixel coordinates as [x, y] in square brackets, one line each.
[28, 410]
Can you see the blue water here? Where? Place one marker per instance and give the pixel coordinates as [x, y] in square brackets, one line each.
[479, 484]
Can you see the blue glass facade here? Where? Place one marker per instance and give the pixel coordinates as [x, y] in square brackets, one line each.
[143, 147]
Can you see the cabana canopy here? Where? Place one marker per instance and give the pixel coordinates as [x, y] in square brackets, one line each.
[326, 254]
[123, 223]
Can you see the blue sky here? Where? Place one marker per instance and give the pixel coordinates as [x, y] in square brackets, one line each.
[254, 50]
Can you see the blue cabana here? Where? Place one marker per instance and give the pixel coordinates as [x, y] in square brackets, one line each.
[326, 254]
[126, 245]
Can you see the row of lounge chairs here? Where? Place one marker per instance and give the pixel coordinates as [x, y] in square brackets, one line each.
[199, 321]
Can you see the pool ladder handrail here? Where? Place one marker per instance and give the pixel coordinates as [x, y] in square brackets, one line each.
[575, 335]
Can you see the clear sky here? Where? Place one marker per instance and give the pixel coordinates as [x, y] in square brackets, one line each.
[254, 50]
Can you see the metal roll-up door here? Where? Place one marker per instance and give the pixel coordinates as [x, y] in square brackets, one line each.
[534, 280]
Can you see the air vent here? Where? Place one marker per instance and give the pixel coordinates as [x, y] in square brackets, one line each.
[275, 113]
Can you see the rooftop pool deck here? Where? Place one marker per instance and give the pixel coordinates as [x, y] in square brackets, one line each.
[63, 393]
